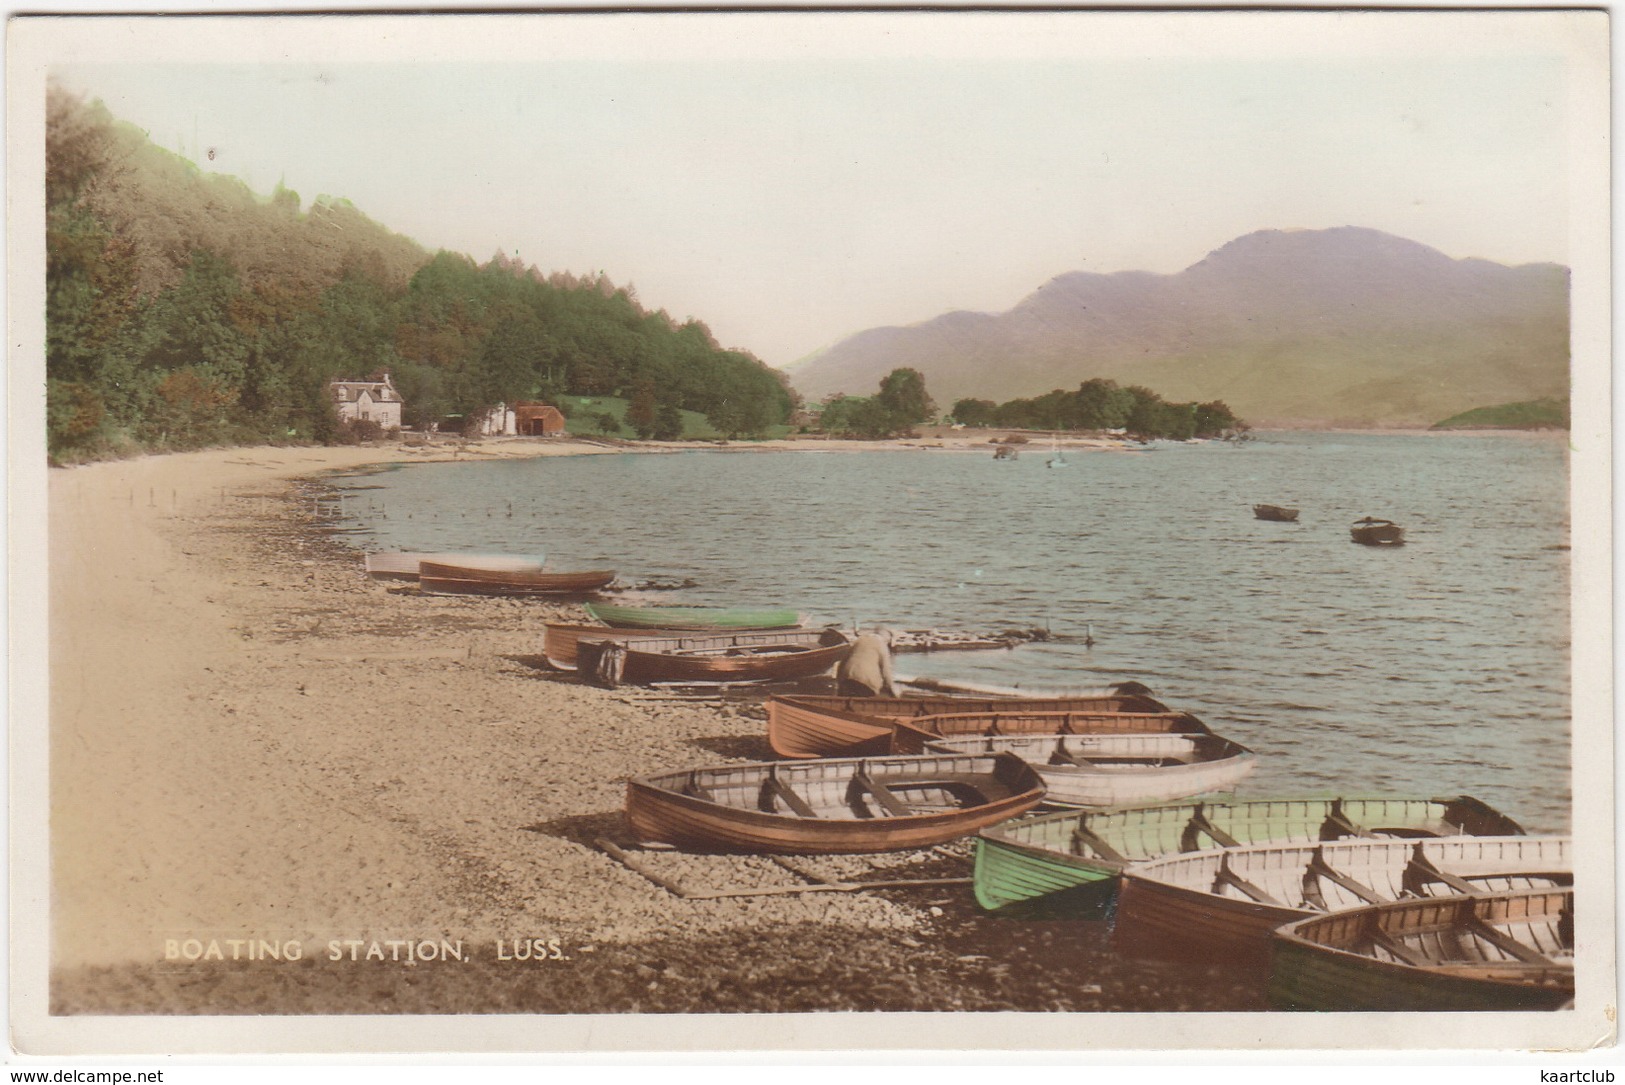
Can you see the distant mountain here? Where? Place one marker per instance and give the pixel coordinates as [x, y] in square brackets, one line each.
[1347, 326]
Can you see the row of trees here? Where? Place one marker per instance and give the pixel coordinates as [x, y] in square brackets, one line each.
[901, 404]
[1102, 404]
[181, 310]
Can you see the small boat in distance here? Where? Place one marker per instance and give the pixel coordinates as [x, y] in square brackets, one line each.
[1004, 452]
[1276, 513]
[1069, 861]
[696, 618]
[1373, 532]
[769, 655]
[1056, 458]
[404, 565]
[1111, 770]
[460, 579]
[1504, 951]
[830, 807]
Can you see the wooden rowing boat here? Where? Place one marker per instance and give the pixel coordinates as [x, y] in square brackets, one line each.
[470, 580]
[916, 734]
[1069, 861]
[826, 726]
[1100, 771]
[1223, 903]
[832, 806]
[1504, 951]
[1276, 513]
[560, 640]
[1370, 532]
[694, 618]
[404, 565]
[773, 655]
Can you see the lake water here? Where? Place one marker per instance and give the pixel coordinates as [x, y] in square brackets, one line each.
[1438, 667]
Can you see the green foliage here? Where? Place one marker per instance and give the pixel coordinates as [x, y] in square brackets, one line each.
[903, 394]
[1536, 414]
[901, 403]
[1102, 405]
[973, 412]
[183, 310]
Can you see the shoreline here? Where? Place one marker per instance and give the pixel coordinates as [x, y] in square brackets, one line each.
[251, 740]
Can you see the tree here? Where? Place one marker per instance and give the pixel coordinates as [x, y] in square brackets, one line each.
[974, 412]
[902, 392]
[641, 414]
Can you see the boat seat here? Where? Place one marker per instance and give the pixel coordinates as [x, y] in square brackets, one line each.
[694, 789]
[1229, 877]
[863, 783]
[774, 788]
[1092, 840]
[1199, 826]
[1319, 868]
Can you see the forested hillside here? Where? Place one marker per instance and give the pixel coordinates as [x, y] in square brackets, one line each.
[182, 310]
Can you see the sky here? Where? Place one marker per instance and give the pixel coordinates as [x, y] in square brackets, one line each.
[793, 180]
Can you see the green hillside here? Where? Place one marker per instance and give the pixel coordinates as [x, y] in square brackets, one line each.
[1540, 414]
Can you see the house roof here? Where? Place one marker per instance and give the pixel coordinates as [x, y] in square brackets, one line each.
[382, 391]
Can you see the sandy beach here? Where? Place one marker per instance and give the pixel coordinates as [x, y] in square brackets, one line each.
[254, 744]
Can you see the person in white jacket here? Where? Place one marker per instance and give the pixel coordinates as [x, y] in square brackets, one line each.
[869, 664]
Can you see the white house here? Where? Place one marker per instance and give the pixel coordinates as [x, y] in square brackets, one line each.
[371, 400]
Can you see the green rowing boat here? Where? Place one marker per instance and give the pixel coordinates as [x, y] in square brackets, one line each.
[1067, 862]
[695, 618]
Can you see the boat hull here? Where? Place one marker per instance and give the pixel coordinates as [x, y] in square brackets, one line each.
[820, 726]
[703, 619]
[1348, 961]
[769, 656]
[1041, 857]
[916, 734]
[1185, 906]
[469, 580]
[1275, 513]
[1120, 770]
[405, 565]
[561, 641]
[733, 808]
[1377, 533]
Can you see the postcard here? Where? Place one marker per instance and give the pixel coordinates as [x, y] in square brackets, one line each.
[823, 531]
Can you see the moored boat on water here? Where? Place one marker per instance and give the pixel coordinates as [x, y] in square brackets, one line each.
[694, 618]
[1222, 904]
[833, 726]
[1372, 532]
[1071, 859]
[404, 565]
[1503, 951]
[437, 576]
[1100, 771]
[847, 805]
[762, 656]
[1278, 513]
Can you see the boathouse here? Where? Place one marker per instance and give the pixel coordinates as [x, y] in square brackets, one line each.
[372, 400]
[537, 420]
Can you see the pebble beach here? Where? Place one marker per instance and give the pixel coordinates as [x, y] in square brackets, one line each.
[269, 774]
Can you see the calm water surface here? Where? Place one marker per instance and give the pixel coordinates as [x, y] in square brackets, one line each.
[1438, 667]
